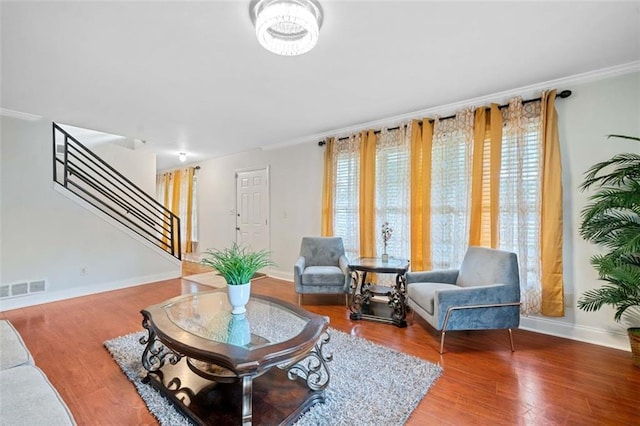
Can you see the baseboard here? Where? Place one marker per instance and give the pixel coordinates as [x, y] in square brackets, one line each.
[616, 339]
[54, 296]
[281, 275]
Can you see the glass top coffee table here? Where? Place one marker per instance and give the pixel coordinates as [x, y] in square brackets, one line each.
[264, 366]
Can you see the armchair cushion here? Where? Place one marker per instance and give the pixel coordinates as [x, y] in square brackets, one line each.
[321, 251]
[323, 275]
[448, 276]
[423, 295]
[482, 266]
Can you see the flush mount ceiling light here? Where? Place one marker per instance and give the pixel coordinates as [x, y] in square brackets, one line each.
[182, 157]
[286, 27]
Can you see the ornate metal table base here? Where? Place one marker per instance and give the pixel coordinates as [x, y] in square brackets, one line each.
[362, 303]
[279, 396]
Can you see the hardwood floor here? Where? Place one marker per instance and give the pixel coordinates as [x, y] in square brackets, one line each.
[547, 381]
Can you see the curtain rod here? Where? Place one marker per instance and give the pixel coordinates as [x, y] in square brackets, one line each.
[562, 95]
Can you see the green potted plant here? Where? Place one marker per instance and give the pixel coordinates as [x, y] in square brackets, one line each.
[237, 265]
[612, 220]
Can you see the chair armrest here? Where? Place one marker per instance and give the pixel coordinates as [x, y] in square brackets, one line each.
[343, 263]
[344, 266]
[481, 295]
[446, 276]
[298, 268]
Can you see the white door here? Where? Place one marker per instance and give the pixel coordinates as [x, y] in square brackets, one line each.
[252, 209]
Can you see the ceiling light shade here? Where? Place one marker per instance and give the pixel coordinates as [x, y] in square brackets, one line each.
[287, 27]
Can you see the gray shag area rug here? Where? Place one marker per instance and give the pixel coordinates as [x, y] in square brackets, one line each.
[391, 382]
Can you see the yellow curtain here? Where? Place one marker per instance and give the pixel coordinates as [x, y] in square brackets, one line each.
[477, 169]
[165, 202]
[421, 143]
[367, 193]
[175, 202]
[188, 243]
[177, 197]
[485, 178]
[327, 190]
[495, 149]
[551, 220]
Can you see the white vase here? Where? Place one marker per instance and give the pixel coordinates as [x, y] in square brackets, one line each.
[238, 297]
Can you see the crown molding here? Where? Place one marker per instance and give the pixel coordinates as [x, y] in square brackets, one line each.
[17, 114]
[444, 110]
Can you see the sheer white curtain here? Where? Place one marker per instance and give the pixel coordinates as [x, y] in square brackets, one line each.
[392, 190]
[520, 195]
[451, 189]
[346, 221]
[392, 194]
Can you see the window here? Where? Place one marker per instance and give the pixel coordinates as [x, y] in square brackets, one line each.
[392, 190]
[520, 196]
[519, 205]
[346, 183]
[451, 189]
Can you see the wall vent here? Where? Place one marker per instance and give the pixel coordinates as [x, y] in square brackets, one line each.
[22, 289]
[36, 286]
[19, 289]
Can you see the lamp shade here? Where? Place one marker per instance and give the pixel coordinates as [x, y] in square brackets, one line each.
[287, 27]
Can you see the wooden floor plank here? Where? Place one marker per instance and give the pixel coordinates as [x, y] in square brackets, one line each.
[548, 380]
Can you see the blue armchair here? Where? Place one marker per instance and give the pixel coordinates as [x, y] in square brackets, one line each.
[483, 294]
[322, 267]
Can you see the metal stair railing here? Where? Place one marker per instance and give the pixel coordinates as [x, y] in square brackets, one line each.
[85, 174]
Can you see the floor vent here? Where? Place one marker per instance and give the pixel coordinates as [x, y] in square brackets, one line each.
[22, 289]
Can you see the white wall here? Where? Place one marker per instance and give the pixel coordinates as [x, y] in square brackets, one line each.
[594, 110]
[137, 166]
[610, 105]
[295, 176]
[47, 236]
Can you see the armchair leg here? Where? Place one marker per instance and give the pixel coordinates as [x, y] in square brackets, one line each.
[346, 300]
[442, 342]
[299, 299]
[513, 349]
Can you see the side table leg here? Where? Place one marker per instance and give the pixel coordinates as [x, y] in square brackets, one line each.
[247, 397]
[397, 302]
[356, 297]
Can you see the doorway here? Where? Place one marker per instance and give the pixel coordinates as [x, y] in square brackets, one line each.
[252, 209]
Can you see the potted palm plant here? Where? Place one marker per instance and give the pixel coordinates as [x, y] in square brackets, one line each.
[237, 265]
[612, 220]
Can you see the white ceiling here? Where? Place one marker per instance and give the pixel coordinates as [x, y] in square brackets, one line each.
[190, 76]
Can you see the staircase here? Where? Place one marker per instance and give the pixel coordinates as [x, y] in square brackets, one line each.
[81, 172]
